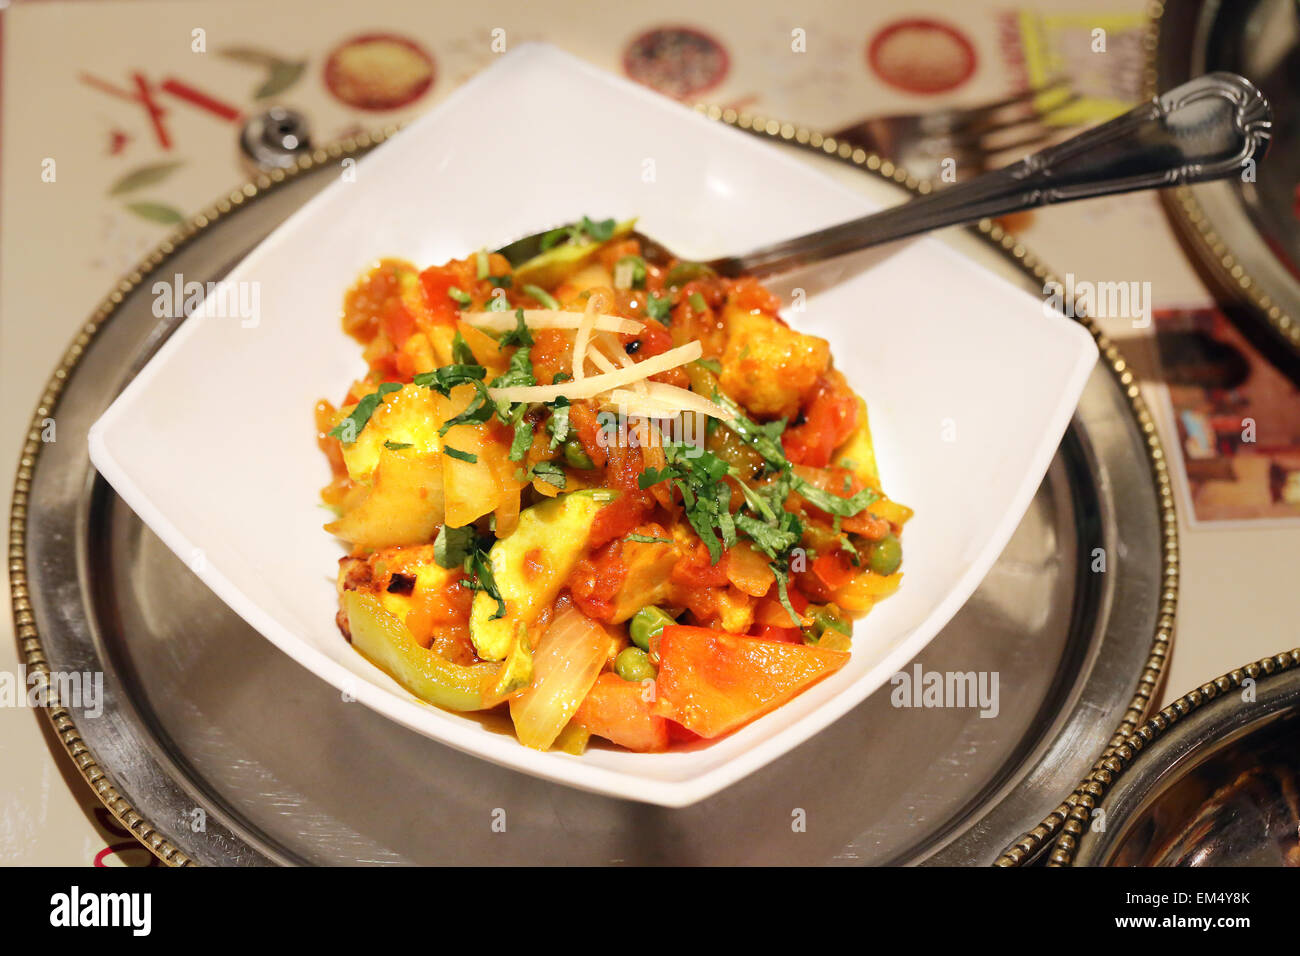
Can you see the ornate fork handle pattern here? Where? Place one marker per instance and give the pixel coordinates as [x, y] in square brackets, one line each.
[1211, 128]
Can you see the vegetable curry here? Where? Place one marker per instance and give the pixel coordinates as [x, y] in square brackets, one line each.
[620, 498]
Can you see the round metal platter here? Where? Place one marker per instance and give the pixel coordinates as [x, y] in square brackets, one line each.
[1245, 234]
[215, 748]
[1212, 780]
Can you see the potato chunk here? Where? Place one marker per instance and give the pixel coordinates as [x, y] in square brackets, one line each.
[768, 367]
[648, 580]
[404, 417]
[404, 505]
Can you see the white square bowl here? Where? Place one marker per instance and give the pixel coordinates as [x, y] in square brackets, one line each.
[970, 385]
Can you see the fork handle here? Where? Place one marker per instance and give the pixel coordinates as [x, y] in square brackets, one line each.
[1210, 128]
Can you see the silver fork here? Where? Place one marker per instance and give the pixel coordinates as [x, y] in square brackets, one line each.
[970, 138]
[1211, 128]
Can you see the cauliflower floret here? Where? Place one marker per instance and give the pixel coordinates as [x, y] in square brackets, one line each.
[767, 366]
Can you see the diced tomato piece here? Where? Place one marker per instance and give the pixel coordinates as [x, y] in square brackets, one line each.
[397, 323]
[771, 612]
[365, 303]
[867, 525]
[552, 354]
[711, 289]
[596, 580]
[834, 568]
[653, 339]
[623, 467]
[611, 252]
[389, 366]
[791, 635]
[617, 518]
[617, 710]
[748, 294]
[587, 427]
[830, 416]
[712, 683]
[696, 568]
[405, 365]
[678, 734]
[437, 281]
[809, 584]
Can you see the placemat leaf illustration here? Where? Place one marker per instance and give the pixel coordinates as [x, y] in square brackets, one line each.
[247, 54]
[280, 73]
[156, 212]
[144, 176]
[283, 75]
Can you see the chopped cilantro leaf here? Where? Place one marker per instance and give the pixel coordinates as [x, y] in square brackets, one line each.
[549, 472]
[523, 436]
[460, 350]
[479, 410]
[832, 503]
[397, 445]
[584, 228]
[449, 376]
[541, 295]
[460, 455]
[700, 515]
[453, 546]
[481, 578]
[558, 423]
[771, 539]
[348, 429]
[764, 439]
[519, 371]
[520, 334]
[599, 231]
[783, 591]
[659, 308]
[647, 539]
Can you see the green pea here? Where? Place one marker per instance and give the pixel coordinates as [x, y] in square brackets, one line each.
[886, 555]
[575, 456]
[827, 618]
[647, 623]
[633, 664]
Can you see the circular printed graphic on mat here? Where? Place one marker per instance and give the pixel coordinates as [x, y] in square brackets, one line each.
[921, 56]
[676, 61]
[378, 71]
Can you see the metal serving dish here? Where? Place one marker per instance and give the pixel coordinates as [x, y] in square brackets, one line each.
[1213, 780]
[215, 748]
[1244, 234]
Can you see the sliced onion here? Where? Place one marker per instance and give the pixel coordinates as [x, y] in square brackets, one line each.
[568, 659]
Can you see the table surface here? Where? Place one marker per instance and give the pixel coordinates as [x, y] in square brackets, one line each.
[72, 71]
